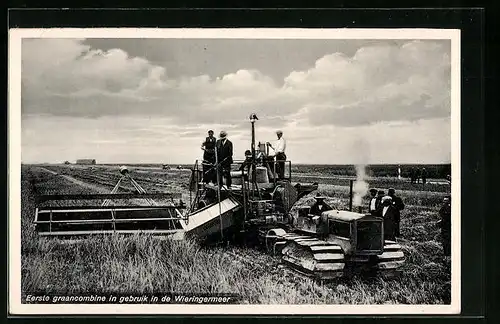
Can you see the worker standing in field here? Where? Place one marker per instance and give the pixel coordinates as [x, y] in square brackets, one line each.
[372, 207]
[389, 213]
[378, 202]
[397, 202]
[224, 149]
[280, 154]
[208, 146]
[424, 176]
[412, 175]
[445, 225]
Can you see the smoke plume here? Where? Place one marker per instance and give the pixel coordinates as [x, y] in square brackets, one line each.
[360, 186]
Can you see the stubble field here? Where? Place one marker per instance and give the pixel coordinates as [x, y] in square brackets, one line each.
[144, 264]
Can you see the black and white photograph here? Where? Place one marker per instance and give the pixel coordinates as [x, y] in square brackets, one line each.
[266, 171]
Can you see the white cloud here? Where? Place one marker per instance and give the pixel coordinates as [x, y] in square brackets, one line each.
[108, 103]
[381, 82]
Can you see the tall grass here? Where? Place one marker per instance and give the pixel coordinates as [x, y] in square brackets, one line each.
[142, 263]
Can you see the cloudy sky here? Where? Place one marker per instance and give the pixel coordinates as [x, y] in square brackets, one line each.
[153, 100]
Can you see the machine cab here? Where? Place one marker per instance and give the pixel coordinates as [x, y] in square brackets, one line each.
[356, 233]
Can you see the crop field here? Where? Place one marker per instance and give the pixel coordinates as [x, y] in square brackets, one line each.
[143, 263]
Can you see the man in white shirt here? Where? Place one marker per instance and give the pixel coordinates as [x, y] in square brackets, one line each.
[280, 154]
[373, 202]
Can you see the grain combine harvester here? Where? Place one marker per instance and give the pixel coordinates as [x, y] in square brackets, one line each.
[317, 240]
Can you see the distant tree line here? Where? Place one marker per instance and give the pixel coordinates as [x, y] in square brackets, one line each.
[435, 171]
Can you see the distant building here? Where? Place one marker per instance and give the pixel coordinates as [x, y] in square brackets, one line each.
[85, 161]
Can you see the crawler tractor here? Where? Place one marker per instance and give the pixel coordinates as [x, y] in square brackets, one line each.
[316, 240]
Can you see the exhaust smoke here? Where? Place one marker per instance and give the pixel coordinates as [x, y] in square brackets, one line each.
[360, 187]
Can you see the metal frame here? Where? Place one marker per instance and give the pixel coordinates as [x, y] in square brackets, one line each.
[113, 220]
[82, 212]
[76, 233]
[43, 198]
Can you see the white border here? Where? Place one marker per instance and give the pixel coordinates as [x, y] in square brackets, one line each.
[14, 169]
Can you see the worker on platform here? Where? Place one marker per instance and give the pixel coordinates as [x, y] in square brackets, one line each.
[208, 146]
[445, 225]
[246, 165]
[389, 214]
[224, 148]
[280, 154]
[372, 207]
[397, 202]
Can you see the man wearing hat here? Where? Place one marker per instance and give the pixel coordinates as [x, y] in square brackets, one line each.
[372, 207]
[397, 202]
[280, 154]
[320, 206]
[389, 213]
[247, 164]
[224, 149]
[208, 147]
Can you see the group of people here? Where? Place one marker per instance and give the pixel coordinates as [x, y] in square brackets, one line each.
[218, 156]
[217, 152]
[388, 207]
[417, 174]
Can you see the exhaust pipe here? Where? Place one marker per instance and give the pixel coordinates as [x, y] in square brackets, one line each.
[350, 194]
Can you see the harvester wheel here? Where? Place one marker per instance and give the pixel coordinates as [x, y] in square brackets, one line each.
[274, 240]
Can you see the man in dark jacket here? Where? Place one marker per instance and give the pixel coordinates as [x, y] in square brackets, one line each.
[445, 225]
[224, 149]
[247, 164]
[378, 203]
[389, 213]
[423, 175]
[208, 147]
[397, 202]
[372, 206]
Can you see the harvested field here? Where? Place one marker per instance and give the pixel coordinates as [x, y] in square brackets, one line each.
[145, 264]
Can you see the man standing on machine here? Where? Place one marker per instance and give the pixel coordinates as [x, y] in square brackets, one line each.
[224, 149]
[280, 154]
[208, 147]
